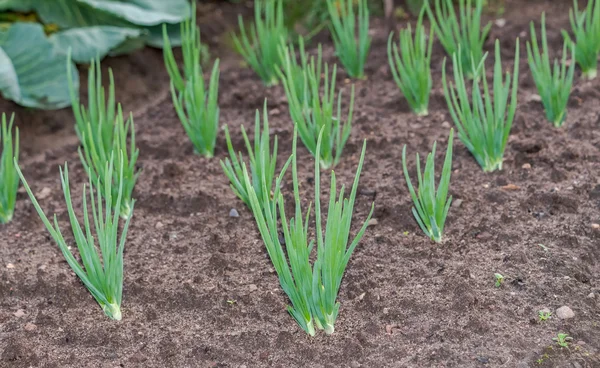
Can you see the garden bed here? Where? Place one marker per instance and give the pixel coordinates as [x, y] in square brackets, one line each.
[200, 291]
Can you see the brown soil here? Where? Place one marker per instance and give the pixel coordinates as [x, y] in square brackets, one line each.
[200, 291]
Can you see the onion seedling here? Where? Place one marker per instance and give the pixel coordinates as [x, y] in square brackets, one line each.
[102, 270]
[262, 161]
[410, 65]
[586, 31]
[351, 43]
[198, 109]
[102, 129]
[553, 83]
[430, 205]
[312, 113]
[293, 73]
[9, 180]
[312, 289]
[484, 122]
[193, 51]
[460, 34]
[261, 48]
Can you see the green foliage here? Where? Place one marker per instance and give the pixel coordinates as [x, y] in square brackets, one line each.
[586, 29]
[499, 279]
[410, 65]
[351, 38]
[553, 83]
[431, 206]
[562, 340]
[262, 162]
[102, 271]
[103, 131]
[9, 180]
[261, 48]
[312, 289]
[312, 113]
[198, 109]
[294, 74]
[484, 124]
[544, 315]
[194, 53]
[460, 34]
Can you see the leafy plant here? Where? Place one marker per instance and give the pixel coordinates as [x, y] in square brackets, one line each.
[261, 48]
[102, 271]
[410, 65]
[562, 340]
[499, 280]
[312, 113]
[553, 83]
[312, 289]
[351, 38]
[198, 109]
[102, 130]
[460, 34]
[9, 180]
[484, 124]
[262, 162]
[295, 74]
[194, 52]
[586, 31]
[37, 52]
[544, 315]
[430, 205]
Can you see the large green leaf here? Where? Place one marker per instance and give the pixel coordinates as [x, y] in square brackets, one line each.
[32, 73]
[87, 43]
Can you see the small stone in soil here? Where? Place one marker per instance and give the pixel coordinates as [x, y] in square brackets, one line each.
[233, 213]
[591, 295]
[19, 313]
[526, 166]
[30, 327]
[372, 222]
[10, 266]
[252, 287]
[159, 225]
[595, 226]
[44, 193]
[565, 312]
[457, 203]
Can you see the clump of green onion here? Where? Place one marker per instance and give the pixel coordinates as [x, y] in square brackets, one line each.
[262, 161]
[430, 205]
[312, 113]
[460, 34]
[102, 270]
[350, 37]
[312, 289]
[293, 73]
[586, 31]
[553, 83]
[9, 180]
[102, 129]
[484, 121]
[410, 65]
[261, 49]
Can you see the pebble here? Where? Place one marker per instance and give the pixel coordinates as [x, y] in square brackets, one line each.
[535, 98]
[457, 203]
[565, 312]
[386, 310]
[373, 222]
[30, 327]
[595, 226]
[591, 295]
[44, 193]
[19, 313]
[354, 364]
[159, 225]
[252, 287]
[10, 266]
[510, 187]
[500, 22]
[526, 166]
[446, 124]
[233, 213]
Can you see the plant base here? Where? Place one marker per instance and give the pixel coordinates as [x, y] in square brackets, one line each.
[113, 311]
[590, 74]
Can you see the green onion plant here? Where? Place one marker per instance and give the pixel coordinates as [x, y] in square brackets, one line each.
[102, 130]
[312, 113]
[553, 83]
[193, 51]
[484, 121]
[586, 31]
[312, 289]
[9, 180]
[350, 36]
[460, 34]
[410, 65]
[261, 48]
[294, 67]
[262, 162]
[198, 109]
[102, 254]
[431, 205]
